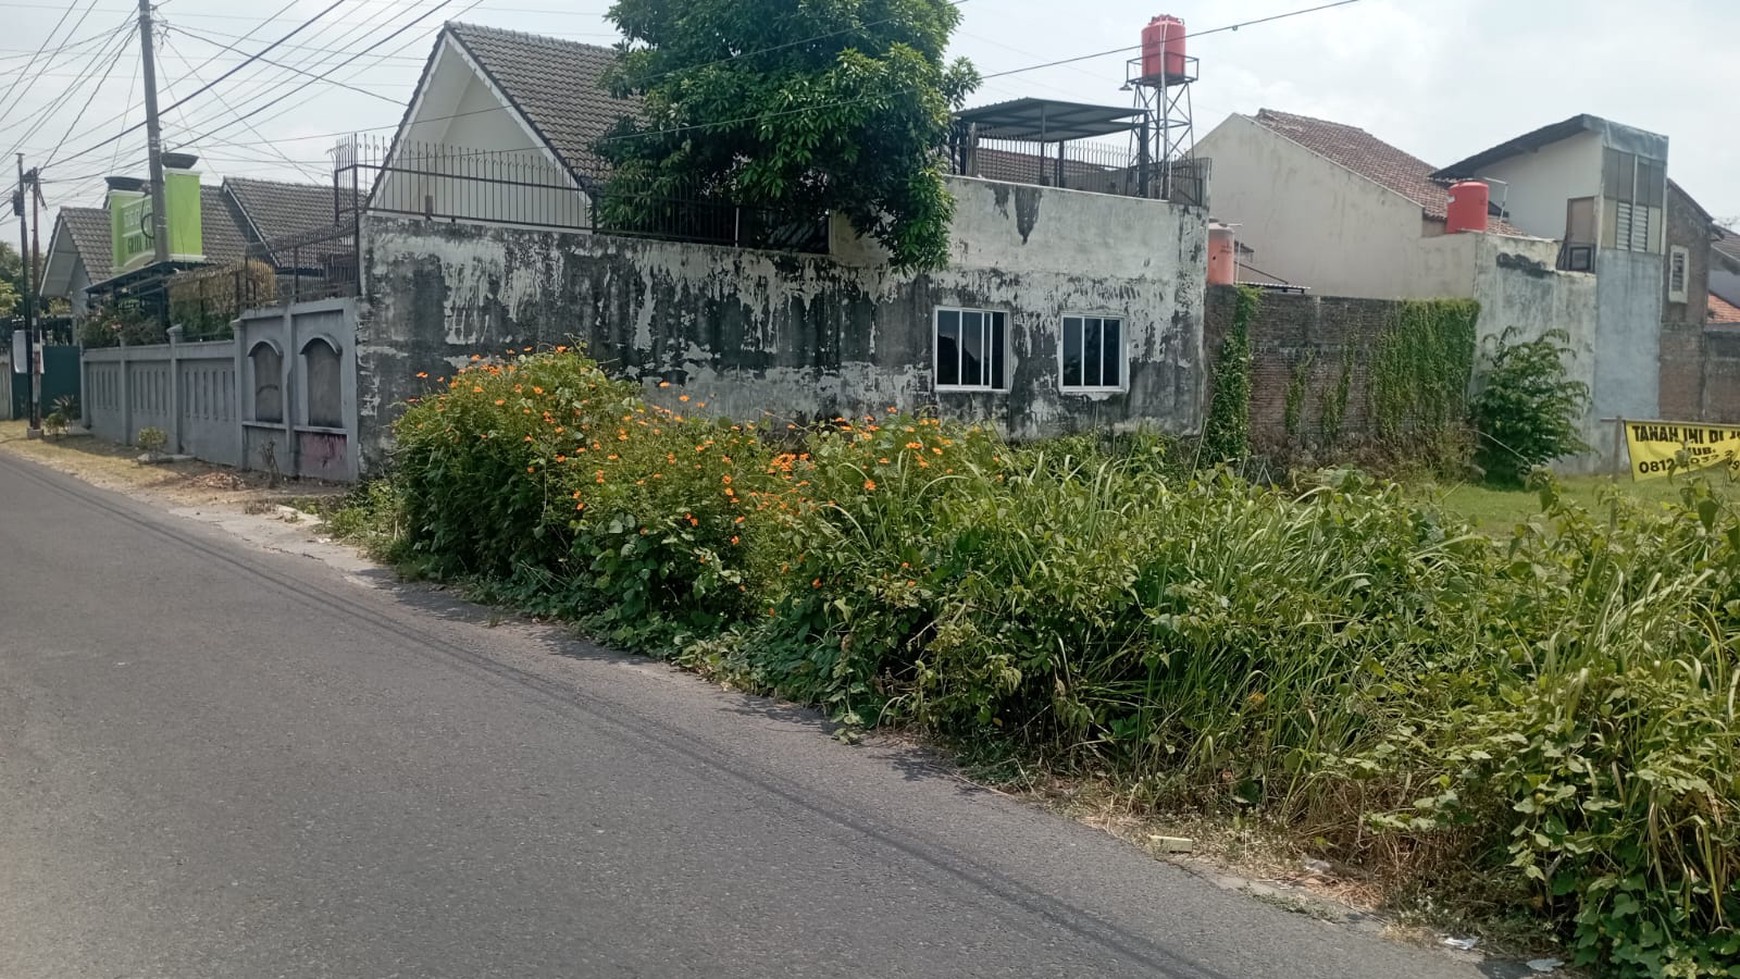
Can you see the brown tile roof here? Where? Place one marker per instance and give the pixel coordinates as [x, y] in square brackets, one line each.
[1723, 311]
[1359, 151]
[92, 237]
[555, 84]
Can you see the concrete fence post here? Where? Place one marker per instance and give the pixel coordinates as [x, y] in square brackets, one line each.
[244, 387]
[175, 334]
[126, 373]
[288, 388]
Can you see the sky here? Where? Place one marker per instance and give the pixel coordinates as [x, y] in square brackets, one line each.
[1442, 79]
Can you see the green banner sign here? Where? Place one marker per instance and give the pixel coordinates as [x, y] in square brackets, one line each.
[130, 223]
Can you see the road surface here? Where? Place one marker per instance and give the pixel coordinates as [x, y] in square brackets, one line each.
[222, 760]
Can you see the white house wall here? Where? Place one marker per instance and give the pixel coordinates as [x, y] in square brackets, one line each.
[1537, 183]
[1317, 224]
[479, 159]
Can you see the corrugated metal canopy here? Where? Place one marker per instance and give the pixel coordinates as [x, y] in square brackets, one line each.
[1050, 121]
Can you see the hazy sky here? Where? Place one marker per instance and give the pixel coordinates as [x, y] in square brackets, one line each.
[1442, 79]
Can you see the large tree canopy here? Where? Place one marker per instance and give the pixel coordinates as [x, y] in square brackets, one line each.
[11, 280]
[800, 107]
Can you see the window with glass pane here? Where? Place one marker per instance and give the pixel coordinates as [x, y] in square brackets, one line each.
[948, 347]
[1093, 352]
[970, 349]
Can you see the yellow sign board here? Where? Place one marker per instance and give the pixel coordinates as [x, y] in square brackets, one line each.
[1663, 448]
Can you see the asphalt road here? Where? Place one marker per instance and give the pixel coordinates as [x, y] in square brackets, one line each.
[218, 759]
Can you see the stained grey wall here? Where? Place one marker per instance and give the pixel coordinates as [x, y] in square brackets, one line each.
[1628, 297]
[185, 389]
[803, 336]
[291, 443]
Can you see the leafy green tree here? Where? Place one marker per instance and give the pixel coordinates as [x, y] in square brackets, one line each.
[798, 107]
[11, 280]
[1526, 411]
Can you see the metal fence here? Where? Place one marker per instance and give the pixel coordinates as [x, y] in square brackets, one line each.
[526, 188]
[1099, 167]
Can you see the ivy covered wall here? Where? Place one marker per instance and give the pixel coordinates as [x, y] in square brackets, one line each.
[1334, 378]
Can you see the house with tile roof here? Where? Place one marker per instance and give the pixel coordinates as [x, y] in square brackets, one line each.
[1334, 209]
[502, 126]
[295, 228]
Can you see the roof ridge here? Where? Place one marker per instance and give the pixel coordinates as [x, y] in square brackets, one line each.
[546, 39]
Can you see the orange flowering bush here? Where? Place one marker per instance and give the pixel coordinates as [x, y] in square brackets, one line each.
[563, 488]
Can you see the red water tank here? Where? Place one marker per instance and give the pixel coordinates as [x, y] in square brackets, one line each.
[1223, 260]
[1467, 209]
[1163, 47]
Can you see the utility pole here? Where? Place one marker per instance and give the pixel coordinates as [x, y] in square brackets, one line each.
[35, 428]
[153, 136]
[35, 176]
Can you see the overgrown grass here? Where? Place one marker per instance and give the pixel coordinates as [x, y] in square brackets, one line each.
[1499, 510]
[1540, 720]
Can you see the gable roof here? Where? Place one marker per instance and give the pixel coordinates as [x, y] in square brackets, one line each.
[271, 212]
[1727, 245]
[222, 240]
[1613, 134]
[1355, 149]
[88, 230]
[555, 84]
[1723, 311]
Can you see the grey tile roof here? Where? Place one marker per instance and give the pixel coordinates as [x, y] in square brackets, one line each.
[92, 238]
[555, 84]
[276, 209]
[222, 239]
[270, 212]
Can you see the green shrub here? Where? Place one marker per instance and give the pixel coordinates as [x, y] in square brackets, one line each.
[1226, 434]
[1527, 409]
[1544, 722]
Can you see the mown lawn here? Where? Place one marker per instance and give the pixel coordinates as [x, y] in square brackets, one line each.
[1496, 511]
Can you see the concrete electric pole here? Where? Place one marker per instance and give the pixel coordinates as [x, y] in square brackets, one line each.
[153, 136]
[35, 429]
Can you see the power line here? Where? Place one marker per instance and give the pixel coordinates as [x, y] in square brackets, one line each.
[225, 103]
[6, 102]
[359, 54]
[273, 83]
[1138, 47]
[120, 50]
[70, 91]
[300, 71]
[204, 88]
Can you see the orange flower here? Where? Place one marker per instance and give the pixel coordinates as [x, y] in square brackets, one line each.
[915, 445]
[500, 401]
[664, 384]
[537, 390]
[531, 469]
[738, 520]
[526, 349]
[561, 458]
[579, 506]
[422, 374]
[870, 484]
[733, 540]
[682, 397]
[561, 350]
[883, 461]
[700, 404]
[937, 450]
[892, 409]
[475, 358]
[816, 583]
[726, 479]
[476, 390]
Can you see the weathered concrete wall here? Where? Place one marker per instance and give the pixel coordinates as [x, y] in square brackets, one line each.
[300, 440]
[1628, 296]
[1521, 293]
[188, 390]
[801, 336]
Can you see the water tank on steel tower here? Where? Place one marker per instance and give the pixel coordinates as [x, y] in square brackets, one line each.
[1163, 48]
[1467, 208]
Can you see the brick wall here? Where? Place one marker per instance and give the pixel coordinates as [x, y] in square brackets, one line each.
[1315, 338]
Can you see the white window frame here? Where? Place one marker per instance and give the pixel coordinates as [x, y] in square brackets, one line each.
[1684, 257]
[936, 351]
[1123, 354]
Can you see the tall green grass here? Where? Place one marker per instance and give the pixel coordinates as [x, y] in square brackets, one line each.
[1544, 721]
